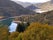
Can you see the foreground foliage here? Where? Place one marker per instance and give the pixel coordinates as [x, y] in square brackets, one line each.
[4, 33]
[36, 31]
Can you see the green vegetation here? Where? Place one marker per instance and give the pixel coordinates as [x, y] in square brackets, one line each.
[13, 35]
[4, 32]
[22, 27]
[35, 31]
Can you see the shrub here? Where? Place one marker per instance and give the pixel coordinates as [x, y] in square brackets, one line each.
[37, 31]
[3, 33]
[13, 35]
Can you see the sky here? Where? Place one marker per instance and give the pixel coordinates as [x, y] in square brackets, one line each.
[32, 1]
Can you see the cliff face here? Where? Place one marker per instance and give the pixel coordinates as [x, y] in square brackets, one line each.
[9, 8]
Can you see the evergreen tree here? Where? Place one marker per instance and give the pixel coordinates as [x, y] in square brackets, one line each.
[20, 27]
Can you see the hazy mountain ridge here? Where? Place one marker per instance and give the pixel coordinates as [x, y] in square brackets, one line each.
[32, 7]
[9, 8]
[46, 6]
[24, 4]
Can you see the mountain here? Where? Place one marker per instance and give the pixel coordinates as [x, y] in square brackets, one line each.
[41, 7]
[52, 1]
[48, 6]
[32, 7]
[9, 9]
[24, 4]
[28, 5]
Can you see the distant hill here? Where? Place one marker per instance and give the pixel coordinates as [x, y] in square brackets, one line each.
[52, 1]
[24, 4]
[32, 7]
[46, 6]
[28, 5]
[9, 8]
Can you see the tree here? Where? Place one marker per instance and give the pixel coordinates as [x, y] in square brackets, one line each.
[28, 23]
[38, 31]
[20, 27]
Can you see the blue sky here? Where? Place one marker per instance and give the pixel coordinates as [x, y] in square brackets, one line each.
[32, 1]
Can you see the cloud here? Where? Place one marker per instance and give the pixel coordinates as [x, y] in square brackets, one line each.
[35, 1]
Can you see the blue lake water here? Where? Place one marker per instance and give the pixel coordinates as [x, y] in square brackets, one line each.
[13, 27]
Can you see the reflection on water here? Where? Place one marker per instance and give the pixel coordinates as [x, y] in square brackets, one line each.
[12, 27]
